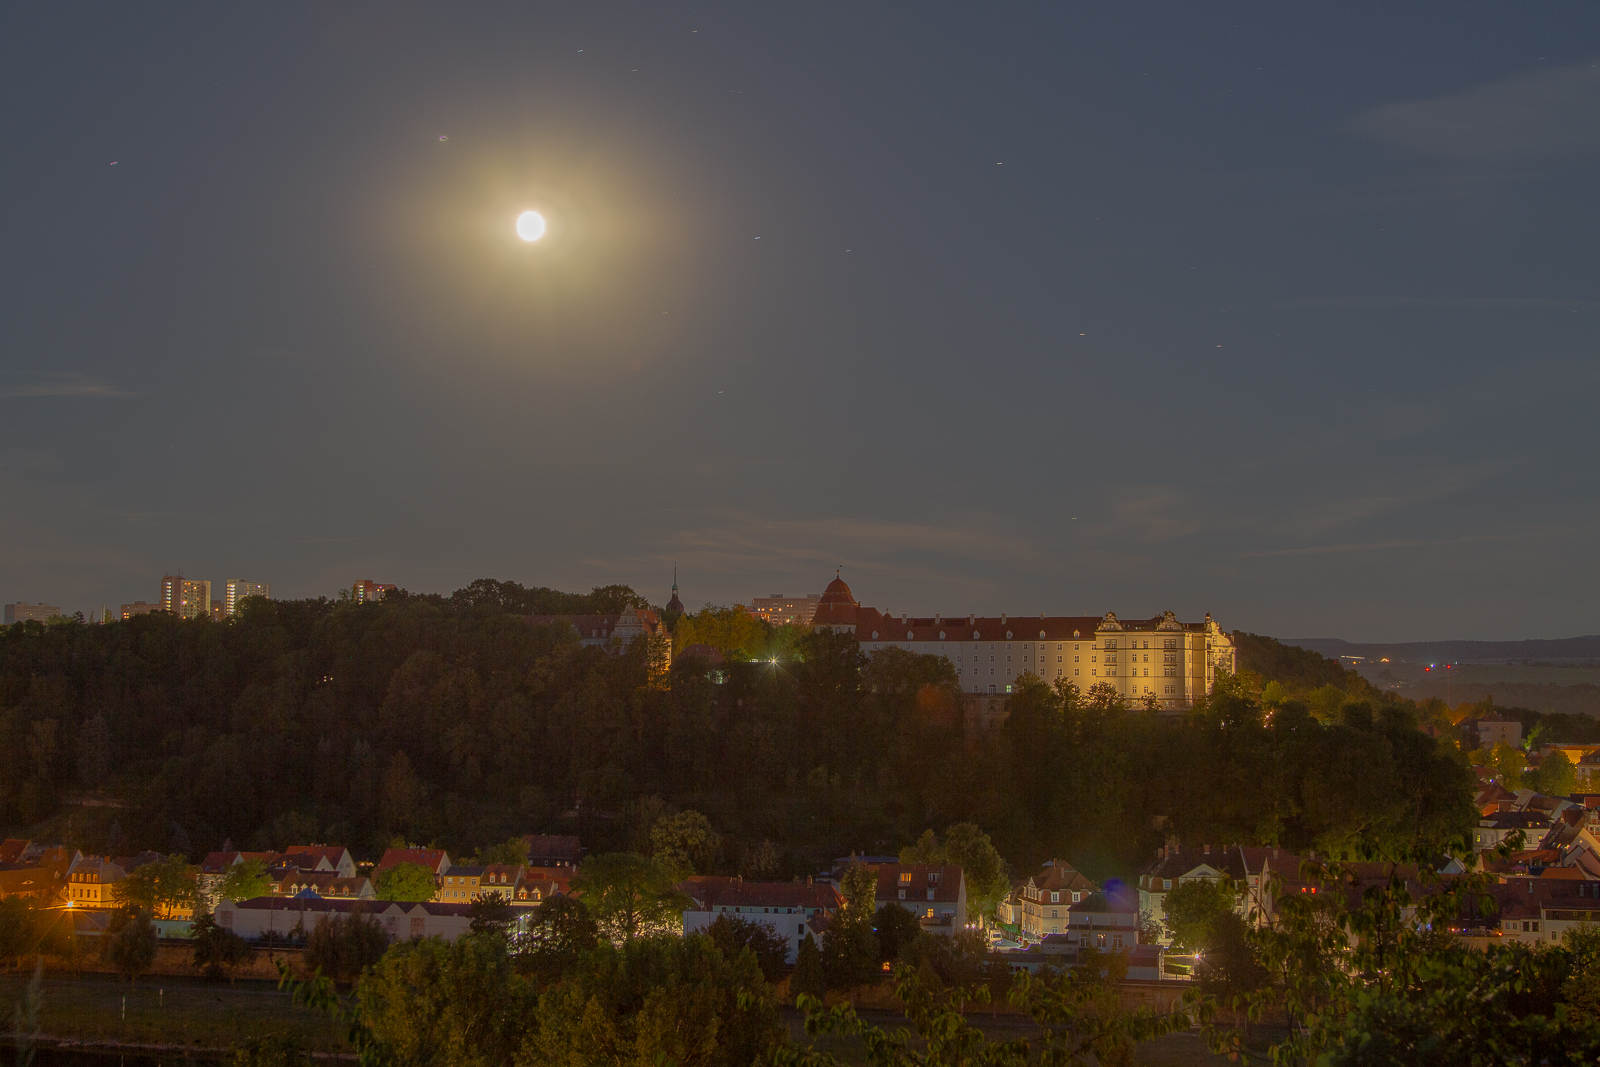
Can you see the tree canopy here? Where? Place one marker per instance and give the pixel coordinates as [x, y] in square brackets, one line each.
[453, 720]
[405, 881]
[629, 894]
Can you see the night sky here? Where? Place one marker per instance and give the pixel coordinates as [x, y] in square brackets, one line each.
[1283, 312]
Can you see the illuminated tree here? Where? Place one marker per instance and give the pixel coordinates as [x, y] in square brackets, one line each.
[406, 882]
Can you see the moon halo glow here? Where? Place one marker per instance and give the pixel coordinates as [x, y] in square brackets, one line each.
[530, 225]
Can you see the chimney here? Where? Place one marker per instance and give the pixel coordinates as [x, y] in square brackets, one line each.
[1002, 618]
[970, 620]
[808, 879]
[1208, 850]
[938, 618]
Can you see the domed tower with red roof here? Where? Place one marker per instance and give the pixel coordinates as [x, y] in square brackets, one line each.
[836, 610]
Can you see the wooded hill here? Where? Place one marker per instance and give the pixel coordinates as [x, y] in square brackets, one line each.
[451, 720]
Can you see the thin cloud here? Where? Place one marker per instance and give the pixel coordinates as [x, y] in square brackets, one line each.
[1546, 113]
[741, 544]
[1444, 303]
[71, 385]
[1378, 546]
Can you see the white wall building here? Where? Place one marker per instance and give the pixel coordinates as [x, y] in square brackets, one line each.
[789, 909]
[1173, 662]
[297, 916]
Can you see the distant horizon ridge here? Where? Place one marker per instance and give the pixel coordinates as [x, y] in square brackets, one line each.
[1582, 647]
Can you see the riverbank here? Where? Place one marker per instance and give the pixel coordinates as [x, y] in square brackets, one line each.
[169, 1014]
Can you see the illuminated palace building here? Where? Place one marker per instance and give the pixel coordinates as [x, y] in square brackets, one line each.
[1172, 661]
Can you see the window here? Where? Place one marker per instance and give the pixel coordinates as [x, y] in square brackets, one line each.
[1077, 895]
[1166, 883]
[1055, 898]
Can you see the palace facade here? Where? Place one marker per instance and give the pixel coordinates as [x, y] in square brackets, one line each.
[1174, 662]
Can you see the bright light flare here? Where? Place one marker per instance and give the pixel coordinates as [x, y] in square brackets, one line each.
[530, 225]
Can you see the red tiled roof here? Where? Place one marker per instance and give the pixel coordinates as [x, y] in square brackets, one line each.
[838, 606]
[946, 888]
[12, 848]
[1061, 876]
[431, 858]
[711, 893]
[217, 862]
[874, 625]
[332, 853]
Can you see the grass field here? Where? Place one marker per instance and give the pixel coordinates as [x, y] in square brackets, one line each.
[166, 1011]
[186, 1014]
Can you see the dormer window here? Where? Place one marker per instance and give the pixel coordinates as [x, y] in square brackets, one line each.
[1055, 898]
[905, 876]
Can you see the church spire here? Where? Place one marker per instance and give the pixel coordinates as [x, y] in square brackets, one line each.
[675, 604]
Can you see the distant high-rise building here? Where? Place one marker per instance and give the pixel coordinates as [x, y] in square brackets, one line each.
[139, 607]
[185, 598]
[780, 610]
[366, 590]
[237, 589]
[22, 612]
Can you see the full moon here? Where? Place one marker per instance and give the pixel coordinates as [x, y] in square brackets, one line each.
[530, 225]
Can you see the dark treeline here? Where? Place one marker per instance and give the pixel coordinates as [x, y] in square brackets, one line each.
[450, 720]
